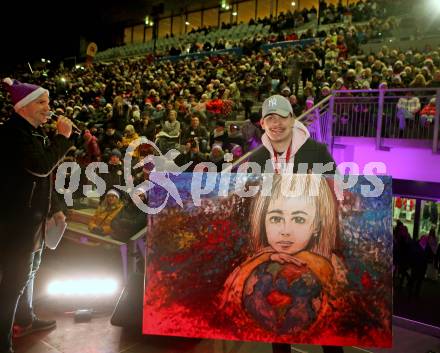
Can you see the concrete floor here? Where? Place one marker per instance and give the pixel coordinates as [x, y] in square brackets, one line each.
[99, 336]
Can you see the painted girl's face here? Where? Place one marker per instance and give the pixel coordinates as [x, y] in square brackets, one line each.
[289, 224]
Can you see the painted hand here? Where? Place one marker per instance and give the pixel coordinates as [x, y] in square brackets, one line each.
[286, 258]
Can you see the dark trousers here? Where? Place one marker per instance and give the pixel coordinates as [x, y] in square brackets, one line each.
[17, 269]
[416, 280]
[294, 81]
[306, 75]
[247, 105]
[24, 314]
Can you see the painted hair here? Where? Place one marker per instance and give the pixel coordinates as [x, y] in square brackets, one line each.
[304, 185]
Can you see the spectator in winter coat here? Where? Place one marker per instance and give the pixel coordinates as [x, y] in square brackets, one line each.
[131, 219]
[91, 147]
[407, 108]
[252, 132]
[115, 175]
[216, 156]
[105, 213]
[130, 135]
[235, 137]
[434, 213]
[219, 136]
[427, 114]
[197, 132]
[147, 127]
[111, 138]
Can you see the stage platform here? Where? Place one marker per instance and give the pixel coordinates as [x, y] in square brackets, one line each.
[99, 336]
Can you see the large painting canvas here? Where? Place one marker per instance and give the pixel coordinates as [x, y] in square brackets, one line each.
[304, 260]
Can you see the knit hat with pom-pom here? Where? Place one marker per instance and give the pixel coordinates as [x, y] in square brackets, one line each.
[22, 93]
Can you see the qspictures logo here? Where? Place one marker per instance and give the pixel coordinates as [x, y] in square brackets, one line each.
[205, 178]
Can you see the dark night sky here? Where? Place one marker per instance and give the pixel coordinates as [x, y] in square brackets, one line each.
[30, 31]
[39, 29]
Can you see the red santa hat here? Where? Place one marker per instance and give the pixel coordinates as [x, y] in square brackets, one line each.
[22, 93]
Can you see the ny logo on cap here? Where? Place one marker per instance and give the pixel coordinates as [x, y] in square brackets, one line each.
[272, 102]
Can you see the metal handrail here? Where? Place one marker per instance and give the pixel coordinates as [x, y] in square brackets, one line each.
[89, 234]
[418, 89]
[241, 160]
[382, 98]
[318, 105]
[435, 142]
[139, 234]
[246, 157]
[349, 98]
[380, 93]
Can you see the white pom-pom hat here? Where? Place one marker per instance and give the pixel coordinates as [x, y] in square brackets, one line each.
[22, 93]
[113, 192]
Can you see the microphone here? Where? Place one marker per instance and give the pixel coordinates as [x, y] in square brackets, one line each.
[75, 129]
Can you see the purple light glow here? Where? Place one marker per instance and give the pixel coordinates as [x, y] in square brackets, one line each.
[410, 163]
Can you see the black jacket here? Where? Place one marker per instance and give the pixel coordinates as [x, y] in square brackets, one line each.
[310, 152]
[128, 222]
[115, 176]
[26, 180]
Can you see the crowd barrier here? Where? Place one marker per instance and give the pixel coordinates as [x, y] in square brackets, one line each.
[289, 43]
[201, 55]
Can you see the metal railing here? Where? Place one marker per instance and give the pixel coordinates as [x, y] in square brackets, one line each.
[370, 113]
[319, 121]
[386, 114]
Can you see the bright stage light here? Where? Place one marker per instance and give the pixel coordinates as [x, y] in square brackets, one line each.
[83, 287]
[433, 6]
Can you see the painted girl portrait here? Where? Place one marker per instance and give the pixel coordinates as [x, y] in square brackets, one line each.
[291, 264]
[283, 286]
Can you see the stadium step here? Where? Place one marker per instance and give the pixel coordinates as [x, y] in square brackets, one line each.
[93, 202]
[78, 219]
[80, 233]
[86, 202]
[80, 216]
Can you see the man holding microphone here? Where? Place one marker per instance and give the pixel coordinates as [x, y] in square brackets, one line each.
[26, 202]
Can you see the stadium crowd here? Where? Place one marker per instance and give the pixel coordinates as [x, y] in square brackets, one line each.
[208, 107]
